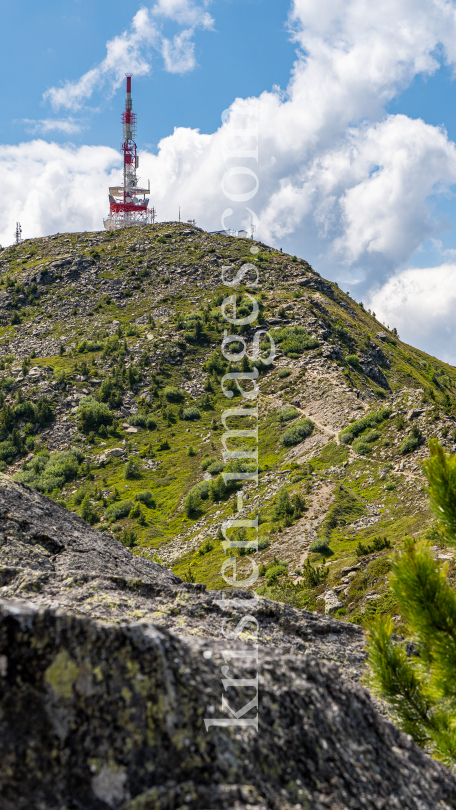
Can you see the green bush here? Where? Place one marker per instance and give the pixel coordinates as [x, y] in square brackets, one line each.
[321, 546]
[173, 394]
[89, 346]
[93, 414]
[372, 436]
[346, 438]
[314, 575]
[286, 413]
[353, 361]
[206, 462]
[137, 420]
[284, 372]
[411, 442]
[191, 451]
[216, 467]
[193, 501]
[47, 472]
[378, 544]
[8, 451]
[362, 447]
[118, 510]
[146, 497]
[297, 433]
[371, 420]
[294, 340]
[191, 414]
[132, 469]
[151, 423]
[88, 513]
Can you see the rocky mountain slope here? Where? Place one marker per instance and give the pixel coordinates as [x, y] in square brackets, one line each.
[112, 669]
[111, 403]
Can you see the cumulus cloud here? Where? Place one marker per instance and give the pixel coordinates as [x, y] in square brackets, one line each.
[420, 303]
[131, 52]
[51, 188]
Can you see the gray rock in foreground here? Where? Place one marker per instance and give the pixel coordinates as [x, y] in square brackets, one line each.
[110, 713]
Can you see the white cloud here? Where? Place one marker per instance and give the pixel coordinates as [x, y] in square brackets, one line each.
[125, 53]
[420, 303]
[179, 55]
[45, 125]
[131, 51]
[50, 188]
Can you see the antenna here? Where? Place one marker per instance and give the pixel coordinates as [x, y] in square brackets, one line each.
[18, 233]
[126, 208]
[179, 213]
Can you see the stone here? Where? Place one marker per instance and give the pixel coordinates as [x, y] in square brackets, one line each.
[413, 413]
[332, 601]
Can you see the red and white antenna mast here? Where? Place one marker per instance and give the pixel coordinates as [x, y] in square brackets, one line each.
[126, 206]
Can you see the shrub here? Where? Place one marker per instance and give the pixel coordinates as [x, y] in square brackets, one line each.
[297, 433]
[206, 462]
[411, 442]
[353, 361]
[370, 420]
[89, 346]
[276, 570]
[372, 436]
[135, 511]
[88, 513]
[92, 414]
[129, 538]
[314, 575]
[378, 544]
[294, 340]
[362, 447]
[146, 497]
[173, 394]
[118, 510]
[151, 423]
[137, 420]
[320, 546]
[132, 469]
[346, 438]
[8, 451]
[191, 414]
[286, 413]
[284, 372]
[193, 501]
[47, 472]
[191, 451]
[216, 467]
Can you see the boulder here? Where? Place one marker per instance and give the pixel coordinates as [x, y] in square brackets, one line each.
[123, 687]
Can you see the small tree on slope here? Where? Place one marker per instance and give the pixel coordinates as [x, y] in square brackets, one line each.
[420, 688]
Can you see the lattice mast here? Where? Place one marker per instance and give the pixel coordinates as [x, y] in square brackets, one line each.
[126, 206]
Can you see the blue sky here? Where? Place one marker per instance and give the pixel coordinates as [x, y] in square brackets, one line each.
[356, 116]
[248, 51]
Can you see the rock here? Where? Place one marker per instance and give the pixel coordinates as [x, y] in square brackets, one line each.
[116, 452]
[124, 713]
[383, 336]
[413, 413]
[332, 601]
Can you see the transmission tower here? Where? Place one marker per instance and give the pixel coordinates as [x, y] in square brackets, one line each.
[126, 206]
[18, 233]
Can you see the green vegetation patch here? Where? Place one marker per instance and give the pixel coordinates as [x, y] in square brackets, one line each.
[371, 420]
[294, 340]
[47, 472]
[297, 433]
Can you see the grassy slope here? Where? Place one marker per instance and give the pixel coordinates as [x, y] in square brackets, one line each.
[151, 286]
